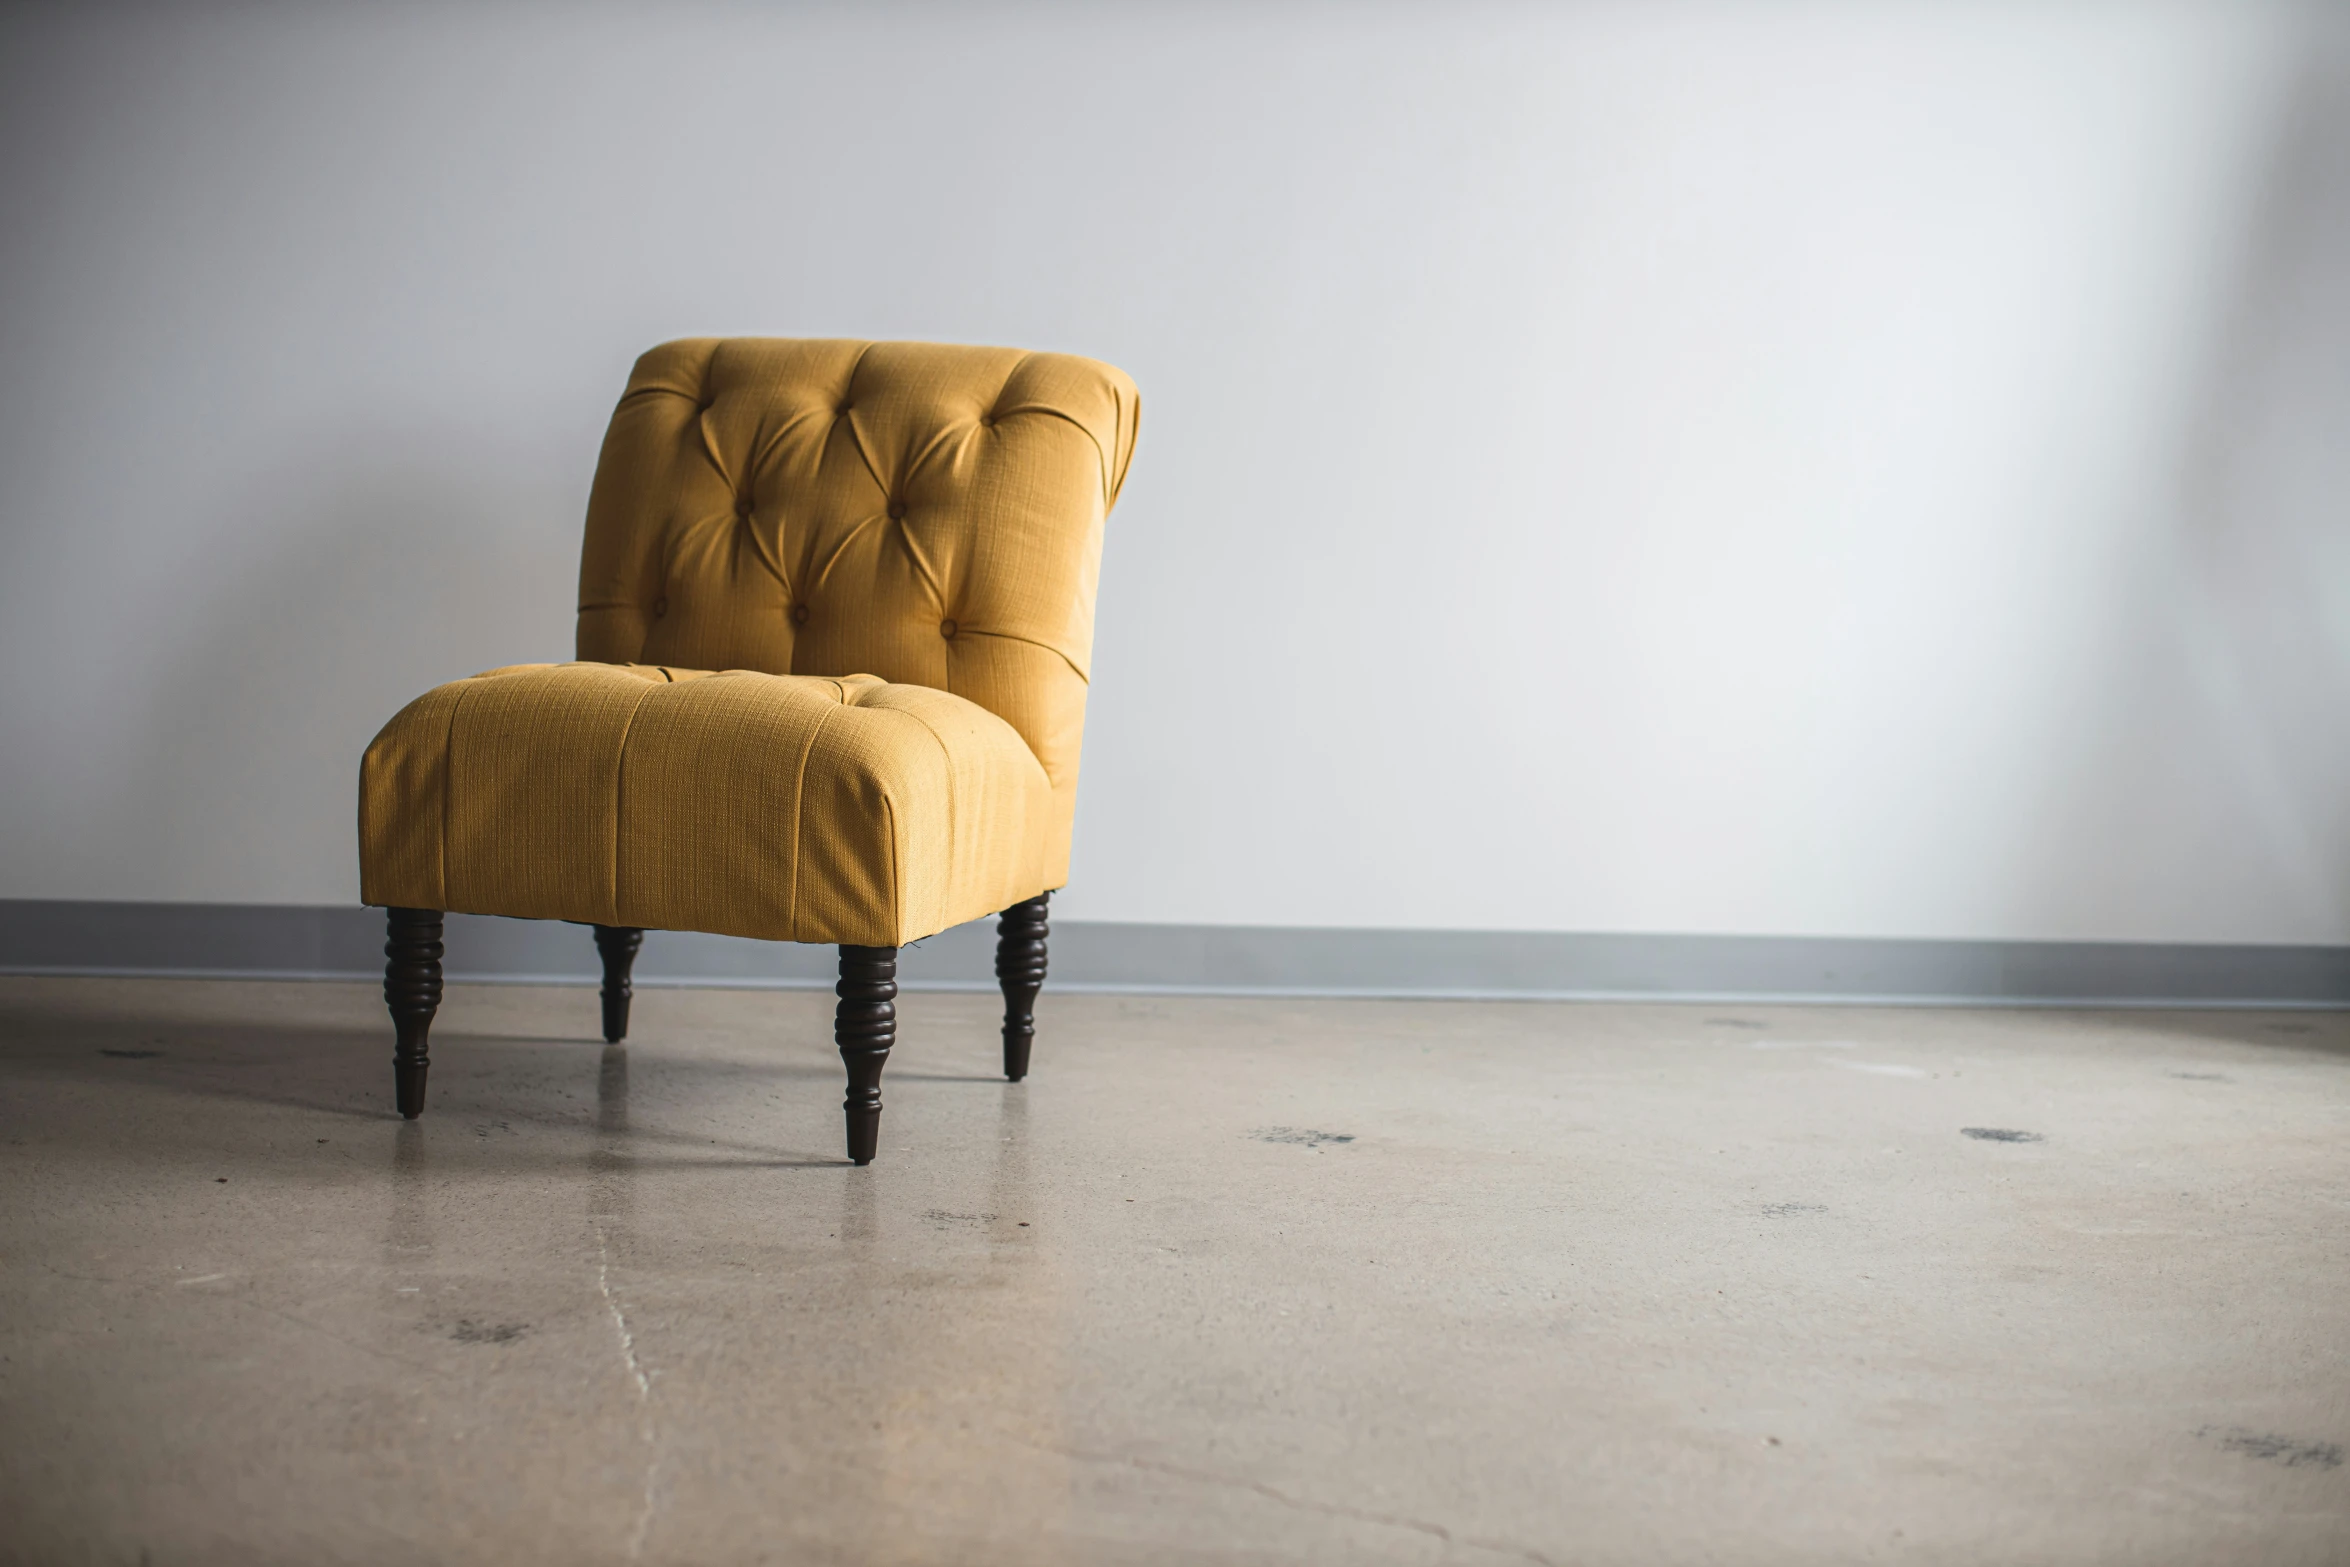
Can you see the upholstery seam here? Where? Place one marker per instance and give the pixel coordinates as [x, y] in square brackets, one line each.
[856, 366]
[922, 567]
[866, 457]
[774, 439]
[668, 565]
[1101, 457]
[838, 550]
[954, 797]
[709, 373]
[897, 879]
[945, 431]
[710, 448]
[800, 819]
[1006, 636]
[774, 566]
[449, 787]
[773, 562]
[856, 438]
[619, 781]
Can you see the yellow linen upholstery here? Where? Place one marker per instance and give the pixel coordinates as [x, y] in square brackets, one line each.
[787, 807]
[888, 553]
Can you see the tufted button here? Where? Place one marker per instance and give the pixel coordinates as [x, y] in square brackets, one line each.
[742, 507]
[987, 421]
[660, 608]
[897, 509]
[946, 629]
[841, 411]
[799, 614]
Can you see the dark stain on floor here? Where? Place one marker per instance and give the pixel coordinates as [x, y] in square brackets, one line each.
[2292, 1452]
[2000, 1134]
[1781, 1210]
[1304, 1136]
[131, 1055]
[468, 1331]
[2202, 1077]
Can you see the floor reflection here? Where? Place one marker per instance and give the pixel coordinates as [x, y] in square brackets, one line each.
[973, 1423]
[408, 1236]
[860, 1223]
[1010, 1191]
[611, 1164]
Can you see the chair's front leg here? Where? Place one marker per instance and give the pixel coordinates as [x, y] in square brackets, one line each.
[617, 945]
[865, 1025]
[412, 989]
[1019, 969]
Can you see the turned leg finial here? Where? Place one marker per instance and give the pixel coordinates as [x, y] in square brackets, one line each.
[1019, 968]
[617, 945]
[865, 1025]
[412, 989]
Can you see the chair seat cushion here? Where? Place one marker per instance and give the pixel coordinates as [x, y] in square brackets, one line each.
[783, 807]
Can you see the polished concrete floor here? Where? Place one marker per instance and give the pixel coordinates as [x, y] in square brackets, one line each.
[1225, 1281]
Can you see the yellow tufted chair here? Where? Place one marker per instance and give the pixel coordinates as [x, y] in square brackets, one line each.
[835, 626]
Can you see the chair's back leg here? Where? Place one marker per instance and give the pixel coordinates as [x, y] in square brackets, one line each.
[617, 945]
[1019, 968]
[865, 1025]
[412, 989]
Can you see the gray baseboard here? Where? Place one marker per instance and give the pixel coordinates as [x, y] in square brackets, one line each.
[298, 942]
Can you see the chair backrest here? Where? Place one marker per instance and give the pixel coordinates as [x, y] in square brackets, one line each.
[926, 513]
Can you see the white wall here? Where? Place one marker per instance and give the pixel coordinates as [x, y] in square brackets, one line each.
[1849, 469]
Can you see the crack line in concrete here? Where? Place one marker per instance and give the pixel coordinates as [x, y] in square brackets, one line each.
[644, 1393]
[1305, 1504]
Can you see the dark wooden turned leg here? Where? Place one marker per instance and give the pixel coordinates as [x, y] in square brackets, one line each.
[865, 1025]
[1019, 968]
[617, 945]
[412, 989]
